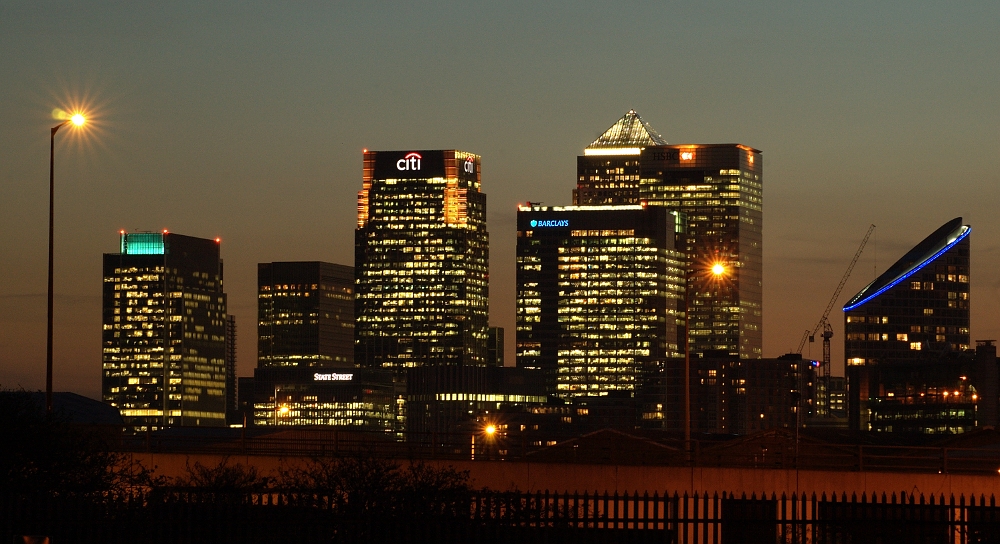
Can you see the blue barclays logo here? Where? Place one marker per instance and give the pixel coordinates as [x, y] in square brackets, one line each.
[550, 223]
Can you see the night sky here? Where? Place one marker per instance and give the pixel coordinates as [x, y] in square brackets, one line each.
[246, 120]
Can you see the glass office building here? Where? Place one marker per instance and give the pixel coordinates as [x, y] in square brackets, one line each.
[164, 337]
[421, 261]
[600, 293]
[305, 325]
[916, 312]
[918, 305]
[719, 188]
[304, 397]
[305, 314]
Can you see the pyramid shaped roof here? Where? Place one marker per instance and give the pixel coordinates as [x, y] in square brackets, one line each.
[628, 133]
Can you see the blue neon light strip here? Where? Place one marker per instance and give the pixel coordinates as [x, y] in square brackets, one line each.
[912, 271]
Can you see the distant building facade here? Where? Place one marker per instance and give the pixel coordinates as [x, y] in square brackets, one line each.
[305, 314]
[447, 399]
[335, 397]
[600, 294]
[730, 395]
[422, 261]
[916, 312]
[305, 329]
[165, 325]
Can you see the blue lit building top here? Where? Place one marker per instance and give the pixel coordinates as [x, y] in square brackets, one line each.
[924, 253]
[142, 243]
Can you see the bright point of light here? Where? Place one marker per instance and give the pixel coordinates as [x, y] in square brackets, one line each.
[217, 240]
[718, 269]
[78, 119]
[284, 410]
[490, 429]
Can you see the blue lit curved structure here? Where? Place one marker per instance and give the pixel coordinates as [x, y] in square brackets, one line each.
[924, 253]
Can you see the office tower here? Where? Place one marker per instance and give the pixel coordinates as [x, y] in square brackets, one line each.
[609, 170]
[919, 305]
[164, 339]
[421, 261]
[987, 381]
[719, 188]
[730, 395]
[305, 314]
[447, 399]
[312, 396]
[916, 311]
[600, 293]
[305, 332]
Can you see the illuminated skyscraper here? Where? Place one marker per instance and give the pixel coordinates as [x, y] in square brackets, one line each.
[718, 187]
[164, 339]
[305, 335]
[305, 314]
[421, 261]
[916, 312]
[608, 171]
[600, 293]
[918, 305]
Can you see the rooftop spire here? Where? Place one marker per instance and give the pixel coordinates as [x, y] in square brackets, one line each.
[625, 137]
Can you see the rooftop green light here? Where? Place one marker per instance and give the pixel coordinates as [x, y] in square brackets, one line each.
[142, 243]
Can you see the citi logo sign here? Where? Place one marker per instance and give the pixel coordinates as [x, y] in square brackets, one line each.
[410, 162]
[470, 166]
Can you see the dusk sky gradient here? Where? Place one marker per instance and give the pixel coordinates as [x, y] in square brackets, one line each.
[246, 120]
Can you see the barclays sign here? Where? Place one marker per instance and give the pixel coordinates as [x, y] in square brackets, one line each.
[550, 223]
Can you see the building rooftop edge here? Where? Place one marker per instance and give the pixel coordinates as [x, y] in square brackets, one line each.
[929, 249]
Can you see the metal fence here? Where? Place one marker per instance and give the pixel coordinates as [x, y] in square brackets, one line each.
[493, 517]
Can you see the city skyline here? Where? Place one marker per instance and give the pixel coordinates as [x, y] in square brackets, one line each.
[875, 117]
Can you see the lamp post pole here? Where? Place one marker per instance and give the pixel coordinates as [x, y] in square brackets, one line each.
[687, 371]
[717, 271]
[77, 120]
[48, 337]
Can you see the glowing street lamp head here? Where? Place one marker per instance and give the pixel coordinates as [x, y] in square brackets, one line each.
[718, 269]
[78, 119]
[490, 430]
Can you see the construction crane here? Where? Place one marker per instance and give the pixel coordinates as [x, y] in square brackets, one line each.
[823, 321]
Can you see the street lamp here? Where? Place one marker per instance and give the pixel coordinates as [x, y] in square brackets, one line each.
[717, 271]
[76, 120]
